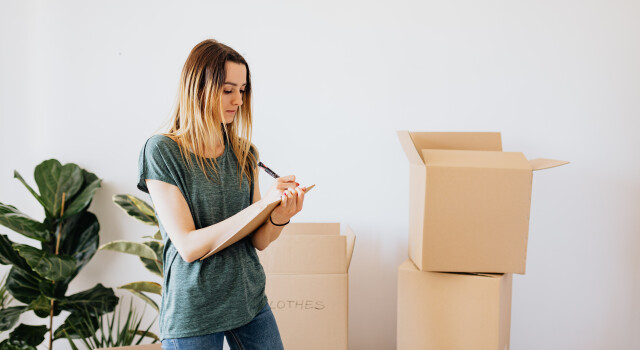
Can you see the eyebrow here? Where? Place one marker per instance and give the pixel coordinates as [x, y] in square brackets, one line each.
[234, 84]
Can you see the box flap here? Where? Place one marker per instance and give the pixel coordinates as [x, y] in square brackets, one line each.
[351, 241]
[315, 228]
[472, 141]
[309, 248]
[414, 142]
[475, 159]
[543, 163]
[409, 149]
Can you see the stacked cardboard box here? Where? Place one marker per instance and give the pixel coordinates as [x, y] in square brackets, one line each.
[468, 228]
[308, 284]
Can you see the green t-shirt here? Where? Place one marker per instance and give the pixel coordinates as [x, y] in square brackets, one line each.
[226, 290]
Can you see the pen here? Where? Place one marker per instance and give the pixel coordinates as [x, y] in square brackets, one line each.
[269, 171]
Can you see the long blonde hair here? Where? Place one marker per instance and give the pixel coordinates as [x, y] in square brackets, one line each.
[198, 115]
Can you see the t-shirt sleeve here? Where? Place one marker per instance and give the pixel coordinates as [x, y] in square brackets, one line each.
[155, 163]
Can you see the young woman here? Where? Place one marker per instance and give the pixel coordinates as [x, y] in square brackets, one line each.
[199, 175]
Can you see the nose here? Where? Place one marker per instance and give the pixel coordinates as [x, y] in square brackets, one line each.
[237, 99]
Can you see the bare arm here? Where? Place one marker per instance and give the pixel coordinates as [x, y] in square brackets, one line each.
[175, 215]
[193, 243]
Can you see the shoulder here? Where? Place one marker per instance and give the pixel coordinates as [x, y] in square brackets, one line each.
[160, 145]
[253, 149]
[160, 141]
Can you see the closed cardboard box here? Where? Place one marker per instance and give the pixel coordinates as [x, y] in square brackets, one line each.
[452, 311]
[308, 284]
[469, 202]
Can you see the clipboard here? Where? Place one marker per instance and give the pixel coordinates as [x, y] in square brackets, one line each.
[259, 213]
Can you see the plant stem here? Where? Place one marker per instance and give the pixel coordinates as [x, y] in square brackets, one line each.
[54, 282]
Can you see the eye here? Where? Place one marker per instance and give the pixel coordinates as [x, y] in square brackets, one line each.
[228, 92]
[242, 91]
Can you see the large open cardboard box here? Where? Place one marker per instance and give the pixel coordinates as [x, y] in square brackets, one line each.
[308, 284]
[452, 311]
[469, 202]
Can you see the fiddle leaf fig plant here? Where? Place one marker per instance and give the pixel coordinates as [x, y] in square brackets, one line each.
[149, 252]
[63, 243]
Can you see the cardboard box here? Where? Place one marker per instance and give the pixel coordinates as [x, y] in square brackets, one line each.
[308, 284]
[156, 346]
[469, 202]
[452, 311]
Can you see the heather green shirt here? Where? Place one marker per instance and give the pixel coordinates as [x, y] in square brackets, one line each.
[226, 290]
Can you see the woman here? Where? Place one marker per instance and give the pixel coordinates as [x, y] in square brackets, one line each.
[199, 175]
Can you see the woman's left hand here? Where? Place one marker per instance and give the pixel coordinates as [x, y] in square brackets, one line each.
[291, 204]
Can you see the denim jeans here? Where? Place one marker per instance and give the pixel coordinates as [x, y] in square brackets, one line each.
[259, 334]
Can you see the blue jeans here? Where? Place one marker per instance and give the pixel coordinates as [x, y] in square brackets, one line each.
[259, 334]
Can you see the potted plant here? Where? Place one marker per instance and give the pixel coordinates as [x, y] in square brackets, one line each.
[63, 243]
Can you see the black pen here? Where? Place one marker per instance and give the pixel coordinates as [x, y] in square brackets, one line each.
[269, 171]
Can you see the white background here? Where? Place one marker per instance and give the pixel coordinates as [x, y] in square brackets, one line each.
[88, 81]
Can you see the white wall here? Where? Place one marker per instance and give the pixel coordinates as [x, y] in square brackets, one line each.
[88, 81]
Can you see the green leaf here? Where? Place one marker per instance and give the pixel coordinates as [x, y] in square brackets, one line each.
[53, 179]
[41, 306]
[23, 285]
[77, 326]
[99, 300]
[8, 256]
[26, 335]
[156, 235]
[50, 266]
[137, 208]
[79, 238]
[82, 200]
[17, 175]
[53, 290]
[149, 287]
[9, 317]
[155, 266]
[148, 334]
[13, 219]
[145, 298]
[6, 345]
[133, 248]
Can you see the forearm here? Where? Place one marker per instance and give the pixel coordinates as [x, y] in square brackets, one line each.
[266, 234]
[193, 245]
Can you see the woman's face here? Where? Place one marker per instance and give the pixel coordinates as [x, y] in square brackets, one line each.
[233, 89]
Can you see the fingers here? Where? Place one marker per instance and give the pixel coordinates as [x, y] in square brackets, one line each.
[300, 198]
[286, 182]
[292, 199]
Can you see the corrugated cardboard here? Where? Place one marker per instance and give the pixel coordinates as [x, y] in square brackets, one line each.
[452, 311]
[308, 284]
[469, 202]
[157, 346]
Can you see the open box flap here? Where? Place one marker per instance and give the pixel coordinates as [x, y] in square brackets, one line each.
[468, 141]
[312, 228]
[475, 159]
[409, 148]
[351, 241]
[543, 163]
